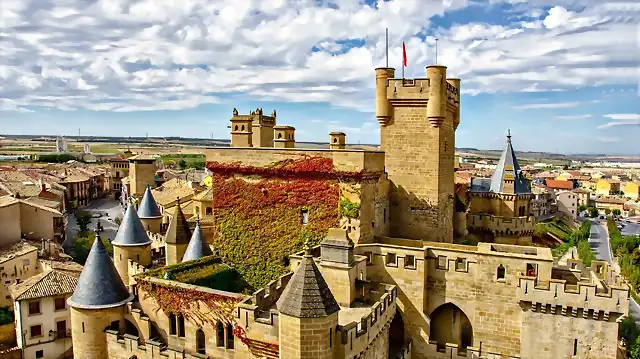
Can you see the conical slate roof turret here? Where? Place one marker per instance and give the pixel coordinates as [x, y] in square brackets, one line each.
[131, 231]
[508, 169]
[178, 231]
[197, 248]
[99, 285]
[148, 207]
[307, 294]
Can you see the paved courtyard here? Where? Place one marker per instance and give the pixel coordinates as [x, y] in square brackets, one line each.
[109, 209]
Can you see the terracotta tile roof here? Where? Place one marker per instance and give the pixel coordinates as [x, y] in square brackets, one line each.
[16, 250]
[206, 195]
[47, 284]
[16, 182]
[142, 157]
[186, 207]
[30, 203]
[557, 184]
[580, 190]
[43, 202]
[72, 267]
[169, 192]
[7, 201]
[611, 200]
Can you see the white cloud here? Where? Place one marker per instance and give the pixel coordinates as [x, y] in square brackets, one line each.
[621, 119]
[547, 105]
[125, 55]
[608, 139]
[574, 117]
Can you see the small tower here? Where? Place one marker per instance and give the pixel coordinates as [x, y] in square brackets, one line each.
[308, 315]
[131, 242]
[337, 140]
[241, 130]
[142, 173]
[284, 137]
[97, 303]
[149, 212]
[197, 247]
[262, 128]
[178, 236]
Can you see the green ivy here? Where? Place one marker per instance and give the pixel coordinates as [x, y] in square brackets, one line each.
[349, 209]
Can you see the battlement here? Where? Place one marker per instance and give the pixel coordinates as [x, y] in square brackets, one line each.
[416, 92]
[589, 298]
[127, 345]
[502, 225]
[356, 335]
[451, 350]
[343, 160]
[260, 307]
[157, 240]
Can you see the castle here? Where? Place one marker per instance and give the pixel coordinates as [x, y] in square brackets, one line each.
[337, 253]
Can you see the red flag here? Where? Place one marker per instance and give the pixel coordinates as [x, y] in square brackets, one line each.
[404, 55]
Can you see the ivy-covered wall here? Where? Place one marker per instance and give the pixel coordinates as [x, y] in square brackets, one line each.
[258, 212]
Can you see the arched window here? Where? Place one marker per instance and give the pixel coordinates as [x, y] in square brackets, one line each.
[229, 336]
[335, 140]
[180, 326]
[236, 128]
[242, 127]
[200, 341]
[172, 325]
[500, 272]
[279, 135]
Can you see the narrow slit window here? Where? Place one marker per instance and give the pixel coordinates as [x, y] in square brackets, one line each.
[500, 272]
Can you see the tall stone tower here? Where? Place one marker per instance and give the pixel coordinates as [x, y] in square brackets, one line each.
[418, 119]
[142, 173]
[178, 236]
[97, 303]
[131, 242]
[308, 315]
[252, 130]
[149, 212]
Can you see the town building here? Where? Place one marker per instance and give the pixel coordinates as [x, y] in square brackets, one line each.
[610, 203]
[559, 185]
[30, 220]
[630, 190]
[584, 197]
[568, 203]
[348, 254]
[542, 204]
[42, 317]
[606, 187]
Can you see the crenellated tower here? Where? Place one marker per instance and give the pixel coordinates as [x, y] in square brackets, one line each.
[418, 119]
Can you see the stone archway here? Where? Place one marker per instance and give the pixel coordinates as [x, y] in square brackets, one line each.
[396, 335]
[449, 324]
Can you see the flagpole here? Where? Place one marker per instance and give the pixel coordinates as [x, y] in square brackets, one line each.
[402, 64]
[436, 50]
[386, 33]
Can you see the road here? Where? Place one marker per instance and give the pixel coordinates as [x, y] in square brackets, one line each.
[599, 242]
[109, 208]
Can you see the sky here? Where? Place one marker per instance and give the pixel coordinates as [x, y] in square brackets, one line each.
[562, 75]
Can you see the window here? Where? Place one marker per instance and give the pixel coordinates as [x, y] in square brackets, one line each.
[34, 308]
[198, 210]
[61, 329]
[36, 331]
[39, 354]
[181, 326]
[305, 216]
[500, 272]
[369, 256]
[442, 262]
[229, 336]
[208, 211]
[531, 270]
[26, 262]
[409, 261]
[391, 259]
[172, 325]
[83, 327]
[220, 336]
[575, 347]
[60, 304]
[461, 264]
[330, 337]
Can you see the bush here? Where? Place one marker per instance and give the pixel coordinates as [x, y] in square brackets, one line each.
[616, 212]
[585, 253]
[582, 208]
[6, 315]
[593, 213]
[607, 211]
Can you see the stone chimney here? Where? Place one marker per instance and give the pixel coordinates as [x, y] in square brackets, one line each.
[337, 140]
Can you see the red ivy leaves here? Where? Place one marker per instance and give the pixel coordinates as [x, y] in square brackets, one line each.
[307, 167]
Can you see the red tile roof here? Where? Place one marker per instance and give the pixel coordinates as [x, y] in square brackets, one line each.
[557, 184]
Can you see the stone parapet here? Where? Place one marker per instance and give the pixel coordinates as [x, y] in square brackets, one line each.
[127, 345]
[501, 225]
[157, 240]
[416, 92]
[260, 307]
[451, 350]
[357, 336]
[556, 295]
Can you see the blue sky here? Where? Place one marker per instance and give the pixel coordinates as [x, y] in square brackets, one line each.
[562, 74]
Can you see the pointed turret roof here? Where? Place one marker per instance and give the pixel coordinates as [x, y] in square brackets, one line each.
[508, 169]
[99, 285]
[178, 231]
[148, 207]
[198, 247]
[131, 231]
[307, 294]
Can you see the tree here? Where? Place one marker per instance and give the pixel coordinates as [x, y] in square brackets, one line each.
[182, 164]
[607, 211]
[616, 212]
[81, 246]
[118, 220]
[593, 213]
[582, 208]
[83, 219]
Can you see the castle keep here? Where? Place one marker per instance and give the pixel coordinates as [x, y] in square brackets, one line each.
[338, 254]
